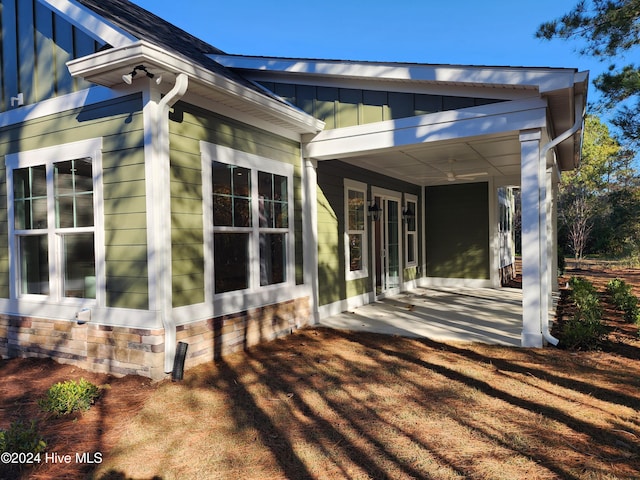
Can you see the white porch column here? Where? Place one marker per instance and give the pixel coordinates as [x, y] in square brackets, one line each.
[553, 231]
[310, 234]
[534, 239]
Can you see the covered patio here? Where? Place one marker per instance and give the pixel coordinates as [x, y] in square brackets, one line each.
[464, 314]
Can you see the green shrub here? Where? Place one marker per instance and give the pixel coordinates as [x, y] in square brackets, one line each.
[622, 298]
[585, 297]
[21, 438]
[582, 334]
[70, 396]
[585, 331]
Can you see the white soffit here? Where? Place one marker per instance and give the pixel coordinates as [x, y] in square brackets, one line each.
[541, 78]
[90, 22]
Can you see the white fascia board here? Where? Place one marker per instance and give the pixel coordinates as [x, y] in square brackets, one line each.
[89, 22]
[101, 64]
[470, 122]
[543, 79]
[55, 105]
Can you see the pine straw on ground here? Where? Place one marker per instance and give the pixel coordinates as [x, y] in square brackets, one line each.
[329, 404]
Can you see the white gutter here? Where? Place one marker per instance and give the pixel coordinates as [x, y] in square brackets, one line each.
[166, 299]
[542, 165]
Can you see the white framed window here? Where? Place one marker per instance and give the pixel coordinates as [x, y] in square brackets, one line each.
[355, 236]
[249, 221]
[55, 222]
[411, 230]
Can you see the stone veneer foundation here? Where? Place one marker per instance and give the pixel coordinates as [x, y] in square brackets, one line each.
[126, 351]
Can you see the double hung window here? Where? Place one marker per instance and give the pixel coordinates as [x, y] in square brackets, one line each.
[251, 205]
[355, 194]
[52, 220]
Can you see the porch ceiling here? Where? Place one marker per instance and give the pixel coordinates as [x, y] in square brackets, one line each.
[454, 161]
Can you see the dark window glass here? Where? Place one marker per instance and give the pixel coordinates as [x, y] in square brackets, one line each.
[272, 258]
[231, 261]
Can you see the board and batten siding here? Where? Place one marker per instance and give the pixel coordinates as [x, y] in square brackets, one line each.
[457, 227]
[333, 285]
[34, 48]
[347, 107]
[119, 123]
[188, 126]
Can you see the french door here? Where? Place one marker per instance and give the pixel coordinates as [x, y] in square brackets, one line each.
[388, 245]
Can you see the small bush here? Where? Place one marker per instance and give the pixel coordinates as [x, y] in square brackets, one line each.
[585, 331]
[582, 334]
[21, 438]
[622, 298]
[70, 396]
[585, 297]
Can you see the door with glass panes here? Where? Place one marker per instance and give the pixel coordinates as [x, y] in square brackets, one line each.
[387, 245]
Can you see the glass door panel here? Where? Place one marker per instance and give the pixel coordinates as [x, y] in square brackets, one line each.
[393, 245]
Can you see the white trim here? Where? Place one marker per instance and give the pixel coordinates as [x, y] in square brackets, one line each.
[310, 232]
[91, 148]
[89, 22]
[156, 152]
[542, 78]
[240, 116]
[454, 282]
[364, 271]
[116, 317]
[335, 308]
[468, 122]
[229, 302]
[494, 234]
[188, 314]
[534, 278]
[414, 199]
[106, 68]
[395, 196]
[83, 98]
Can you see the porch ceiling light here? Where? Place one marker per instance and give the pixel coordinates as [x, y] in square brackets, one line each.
[128, 77]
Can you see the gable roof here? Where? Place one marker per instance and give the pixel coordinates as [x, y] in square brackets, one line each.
[142, 38]
[144, 25]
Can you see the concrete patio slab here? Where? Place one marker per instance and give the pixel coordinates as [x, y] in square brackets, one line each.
[484, 315]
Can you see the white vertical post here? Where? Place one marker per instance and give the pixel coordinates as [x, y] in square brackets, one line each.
[553, 231]
[494, 235]
[310, 234]
[534, 266]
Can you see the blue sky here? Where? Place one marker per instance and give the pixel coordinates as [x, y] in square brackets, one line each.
[466, 32]
[490, 32]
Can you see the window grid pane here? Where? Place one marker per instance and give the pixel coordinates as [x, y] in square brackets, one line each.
[73, 193]
[272, 258]
[411, 222]
[231, 195]
[273, 206]
[231, 261]
[355, 252]
[79, 265]
[34, 264]
[30, 198]
[356, 210]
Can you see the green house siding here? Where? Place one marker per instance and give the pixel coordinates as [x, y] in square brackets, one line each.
[346, 107]
[187, 127]
[119, 123]
[35, 46]
[333, 285]
[457, 224]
